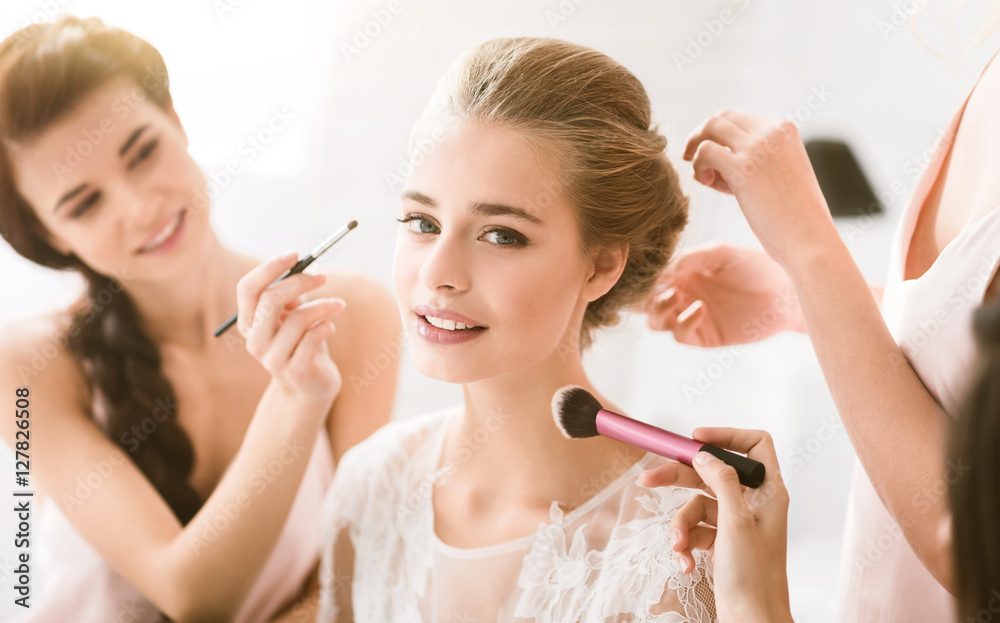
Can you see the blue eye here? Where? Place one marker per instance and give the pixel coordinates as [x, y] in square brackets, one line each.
[505, 238]
[423, 225]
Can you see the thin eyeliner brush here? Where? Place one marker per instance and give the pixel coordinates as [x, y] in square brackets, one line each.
[300, 266]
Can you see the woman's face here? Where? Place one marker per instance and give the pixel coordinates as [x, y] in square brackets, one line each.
[488, 240]
[114, 185]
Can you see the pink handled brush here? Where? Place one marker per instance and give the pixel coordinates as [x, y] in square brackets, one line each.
[579, 415]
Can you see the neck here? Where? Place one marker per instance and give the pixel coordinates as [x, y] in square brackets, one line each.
[508, 429]
[184, 311]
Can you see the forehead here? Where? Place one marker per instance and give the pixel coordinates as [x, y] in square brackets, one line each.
[476, 161]
[78, 144]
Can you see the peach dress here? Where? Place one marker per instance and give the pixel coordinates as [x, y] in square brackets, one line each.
[80, 587]
[930, 317]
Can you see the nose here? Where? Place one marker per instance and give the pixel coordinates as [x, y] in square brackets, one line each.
[445, 267]
[142, 209]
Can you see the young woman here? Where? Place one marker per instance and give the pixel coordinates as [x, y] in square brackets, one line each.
[896, 373]
[746, 529]
[545, 208]
[183, 473]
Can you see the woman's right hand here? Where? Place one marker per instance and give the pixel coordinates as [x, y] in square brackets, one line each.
[745, 530]
[739, 296]
[285, 333]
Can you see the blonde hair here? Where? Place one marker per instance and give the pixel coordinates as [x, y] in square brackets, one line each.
[596, 117]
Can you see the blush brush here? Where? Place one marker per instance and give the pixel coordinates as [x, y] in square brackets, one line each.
[579, 415]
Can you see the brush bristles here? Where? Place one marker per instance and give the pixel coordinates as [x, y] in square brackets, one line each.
[575, 412]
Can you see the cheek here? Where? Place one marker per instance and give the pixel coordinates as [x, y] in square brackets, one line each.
[405, 267]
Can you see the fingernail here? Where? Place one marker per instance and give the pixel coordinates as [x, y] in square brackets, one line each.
[687, 313]
[288, 255]
[704, 458]
[665, 295]
[675, 535]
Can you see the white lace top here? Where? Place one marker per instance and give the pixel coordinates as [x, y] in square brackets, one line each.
[606, 560]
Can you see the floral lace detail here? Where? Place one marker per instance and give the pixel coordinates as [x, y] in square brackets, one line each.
[575, 583]
[608, 560]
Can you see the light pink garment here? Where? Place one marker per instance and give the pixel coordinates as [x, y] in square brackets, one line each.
[931, 319]
[80, 587]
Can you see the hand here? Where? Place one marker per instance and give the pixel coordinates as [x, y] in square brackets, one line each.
[285, 333]
[745, 530]
[738, 296]
[764, 164]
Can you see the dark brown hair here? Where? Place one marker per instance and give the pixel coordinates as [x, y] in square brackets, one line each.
[596, 117]
[45, 71]
[975, 496]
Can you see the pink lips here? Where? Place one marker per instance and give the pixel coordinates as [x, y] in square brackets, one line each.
[434, 335]
[170, 242]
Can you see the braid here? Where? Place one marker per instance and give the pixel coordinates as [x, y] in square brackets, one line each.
[128, 387]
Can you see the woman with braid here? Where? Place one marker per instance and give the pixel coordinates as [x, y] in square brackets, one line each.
[182, 474]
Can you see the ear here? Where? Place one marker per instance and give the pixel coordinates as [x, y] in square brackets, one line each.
[607, 266]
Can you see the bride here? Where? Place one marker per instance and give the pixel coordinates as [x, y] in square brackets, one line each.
[545, 207]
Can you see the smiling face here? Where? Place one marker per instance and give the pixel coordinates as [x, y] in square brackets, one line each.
[488, 240]
[113, 184]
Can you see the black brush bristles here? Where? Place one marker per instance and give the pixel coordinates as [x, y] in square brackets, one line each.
[575, 412]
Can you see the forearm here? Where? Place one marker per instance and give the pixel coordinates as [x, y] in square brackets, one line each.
[214, 561]
[896, 427]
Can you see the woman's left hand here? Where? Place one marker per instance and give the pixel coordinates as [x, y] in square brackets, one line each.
[763, 163]
[745, 530]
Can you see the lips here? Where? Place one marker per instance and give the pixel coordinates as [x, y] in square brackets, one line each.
[163, 232]
[447, 319]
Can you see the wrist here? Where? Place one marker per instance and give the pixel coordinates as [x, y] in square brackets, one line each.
[298, 400]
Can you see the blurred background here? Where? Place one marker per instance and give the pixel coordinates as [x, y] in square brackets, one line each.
[350, 78]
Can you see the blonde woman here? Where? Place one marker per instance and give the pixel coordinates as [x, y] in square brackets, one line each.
[546, 207]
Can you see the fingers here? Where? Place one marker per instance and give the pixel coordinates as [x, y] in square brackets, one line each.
[688, 324]
[250, 286]
[698, 509]
[714, 165]
[672, 474]
[719, 130]
[293, 330]
[724, 482]
[699, 537]
[756, 444]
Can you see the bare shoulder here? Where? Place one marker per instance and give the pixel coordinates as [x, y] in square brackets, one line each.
[367, 300]
[36, 348]
[34, 354]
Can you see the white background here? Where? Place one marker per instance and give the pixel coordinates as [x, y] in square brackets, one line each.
[231, 66]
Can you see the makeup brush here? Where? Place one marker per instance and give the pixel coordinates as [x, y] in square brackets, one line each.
[300, 266]
[579, 415]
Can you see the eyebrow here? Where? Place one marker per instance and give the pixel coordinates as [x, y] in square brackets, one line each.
[131, 139]
[73, 193]
[481, 208]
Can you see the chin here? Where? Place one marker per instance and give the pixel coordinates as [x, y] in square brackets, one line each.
[456, 370]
